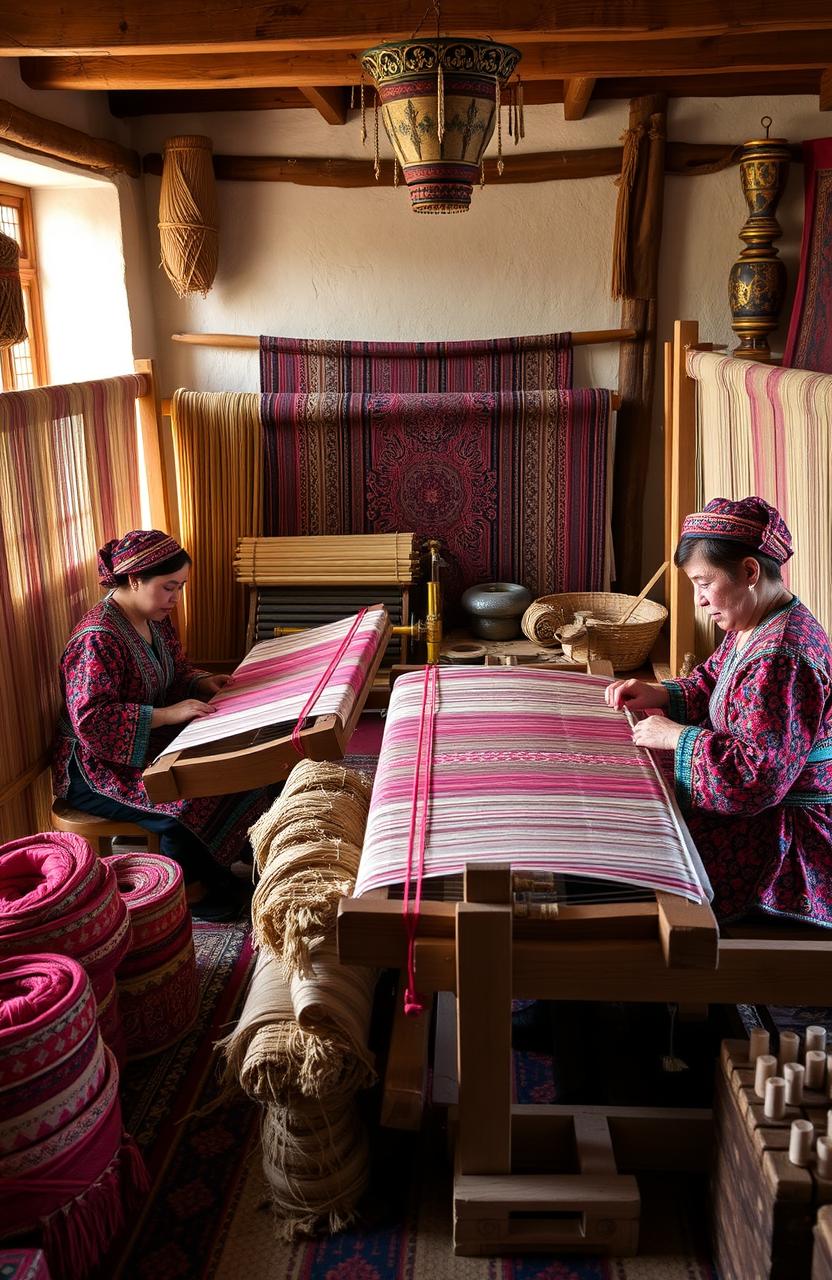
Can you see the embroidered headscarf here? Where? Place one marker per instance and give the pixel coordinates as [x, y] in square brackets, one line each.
[138, 551]
[750, 521]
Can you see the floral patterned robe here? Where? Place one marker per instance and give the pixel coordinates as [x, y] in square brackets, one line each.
[111, 680]
[753, 768]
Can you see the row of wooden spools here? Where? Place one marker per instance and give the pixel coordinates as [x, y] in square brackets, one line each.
[779, 1091]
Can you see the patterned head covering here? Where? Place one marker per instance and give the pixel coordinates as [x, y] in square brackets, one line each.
[137, 552]
[750, 521]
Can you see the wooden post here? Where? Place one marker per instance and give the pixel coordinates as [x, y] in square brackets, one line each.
[682, 495]
[637, 360]
[157, 448]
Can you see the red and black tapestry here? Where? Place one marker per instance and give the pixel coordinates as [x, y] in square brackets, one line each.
[312, 365]
[516, 486]
[809, 344]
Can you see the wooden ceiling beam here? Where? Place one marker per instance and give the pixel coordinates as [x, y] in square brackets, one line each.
[331, 102]
[149, 102]
[825, 90]
[576, 96]
[42, 27]
[788, 51]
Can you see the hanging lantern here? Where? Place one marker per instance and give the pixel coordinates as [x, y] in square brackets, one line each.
[440, 101]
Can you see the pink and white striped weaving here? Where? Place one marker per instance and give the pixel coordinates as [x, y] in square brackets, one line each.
[273, 683]
[527, 767]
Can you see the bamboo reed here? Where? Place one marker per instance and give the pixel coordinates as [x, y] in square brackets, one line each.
[375, 559]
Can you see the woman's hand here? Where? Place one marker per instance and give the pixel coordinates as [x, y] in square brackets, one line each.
[657, 732]
[207, 686]
[181, 712]
[635, 695]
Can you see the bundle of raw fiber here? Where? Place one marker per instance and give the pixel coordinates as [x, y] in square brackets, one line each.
[57, 895]
[23, 1264]
[334, 1002]
[67, 1170]
[157, 979]
[188, 219]
[308, 847]
[12, 311]
[316, 1162]
[275, 1060]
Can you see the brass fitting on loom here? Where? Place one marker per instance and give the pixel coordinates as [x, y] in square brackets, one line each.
[431, 629]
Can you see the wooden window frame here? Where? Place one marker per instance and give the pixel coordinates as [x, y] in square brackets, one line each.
[21, 199]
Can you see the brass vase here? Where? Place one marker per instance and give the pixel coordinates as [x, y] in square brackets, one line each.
[758, 278]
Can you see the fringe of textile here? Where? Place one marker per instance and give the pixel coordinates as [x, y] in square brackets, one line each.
[768, 431]
[219, 467]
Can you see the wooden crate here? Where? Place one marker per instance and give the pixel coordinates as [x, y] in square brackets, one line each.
[822, 1254]
[763, 1207]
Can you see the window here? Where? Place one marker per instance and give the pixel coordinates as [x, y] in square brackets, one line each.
[23, 365]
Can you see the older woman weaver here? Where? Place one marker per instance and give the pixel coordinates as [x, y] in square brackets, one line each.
[750, 728]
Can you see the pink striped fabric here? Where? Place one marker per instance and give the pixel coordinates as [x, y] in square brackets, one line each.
[23, 1264]
[562, 788]
[157, 980]
[273, 682]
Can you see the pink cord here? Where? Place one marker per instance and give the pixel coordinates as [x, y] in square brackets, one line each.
[324, 680]
[414, 1003]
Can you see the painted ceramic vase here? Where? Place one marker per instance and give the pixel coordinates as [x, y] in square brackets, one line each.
[757, 281]
[439, 175]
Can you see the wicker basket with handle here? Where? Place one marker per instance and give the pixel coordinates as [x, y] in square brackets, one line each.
[586, 624]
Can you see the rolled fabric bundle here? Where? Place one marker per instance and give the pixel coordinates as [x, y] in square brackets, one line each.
[66, 1169]
[335, 1001]
[57, 895]
[316, 1162]
[157, 979]
[110, 1024]
[296, 899]
[23, 1264]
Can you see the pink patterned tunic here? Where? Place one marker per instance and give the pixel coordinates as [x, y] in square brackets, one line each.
[111, 680]
[753, 768]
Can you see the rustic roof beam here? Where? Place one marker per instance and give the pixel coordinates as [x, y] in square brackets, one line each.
[788, 51]
[192, 26]
[825, 91]
[331, 102]
[576, 96]
[50, 138]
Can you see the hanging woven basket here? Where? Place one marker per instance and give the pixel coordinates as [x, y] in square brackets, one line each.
[12, 310]
[188, 222]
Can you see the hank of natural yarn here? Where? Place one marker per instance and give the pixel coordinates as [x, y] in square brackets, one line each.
[188, 221]
[800, 1142]
[815, 1038]
[12, 311]
[815, 1069]
[766, 1067]
[824, 1150]
[774, 1107]
[758, 1042]
[829, 1124]
[793, 1075]
[789, 1047]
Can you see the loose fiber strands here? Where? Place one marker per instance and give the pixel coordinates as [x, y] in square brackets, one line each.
[12, 310]
[188, 219]
[335, 1001]
[325, 815]
[296, 900]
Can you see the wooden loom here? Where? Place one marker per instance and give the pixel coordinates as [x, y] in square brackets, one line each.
[260, 757]
[581, 1195]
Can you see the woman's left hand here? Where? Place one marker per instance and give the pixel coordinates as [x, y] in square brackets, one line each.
[207, 686]
[657, 732]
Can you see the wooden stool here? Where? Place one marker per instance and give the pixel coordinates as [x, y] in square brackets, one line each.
[96, 830]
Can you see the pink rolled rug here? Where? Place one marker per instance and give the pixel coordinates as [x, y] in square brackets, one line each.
[66, 1168]
[23, 1264]
[57, 895]
[157, 980]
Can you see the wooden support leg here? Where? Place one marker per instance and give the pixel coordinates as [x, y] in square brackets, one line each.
[405, 1077]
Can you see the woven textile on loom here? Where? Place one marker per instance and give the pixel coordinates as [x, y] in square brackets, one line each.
[516, 486]
[57, 895]
[306, 365]
[66, 1168]
[273, 683]
[563, 788]
[768, 431]
[809, 344]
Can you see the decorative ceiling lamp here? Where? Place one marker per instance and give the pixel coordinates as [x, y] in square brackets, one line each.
[440, 102]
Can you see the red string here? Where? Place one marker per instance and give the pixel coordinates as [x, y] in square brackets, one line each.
[414, 1003]
[324, 680]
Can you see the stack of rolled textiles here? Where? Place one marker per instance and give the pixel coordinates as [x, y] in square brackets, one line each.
[300, 1047]
[157, 980]
[67, 1170]
[56, 894]
[23, 1264]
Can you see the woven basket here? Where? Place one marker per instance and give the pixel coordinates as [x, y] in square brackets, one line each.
[600, 635]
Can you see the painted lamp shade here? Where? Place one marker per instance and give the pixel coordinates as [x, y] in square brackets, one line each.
[440, 171]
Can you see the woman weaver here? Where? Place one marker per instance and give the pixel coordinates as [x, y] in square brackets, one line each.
[125, 682]
[751, 728]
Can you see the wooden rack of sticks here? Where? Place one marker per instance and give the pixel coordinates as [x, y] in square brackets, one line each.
[358, 559]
